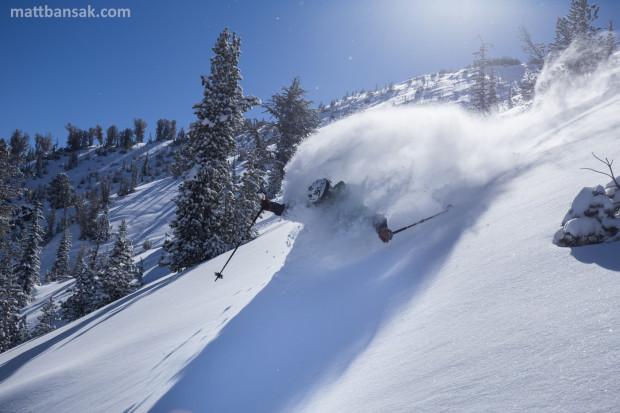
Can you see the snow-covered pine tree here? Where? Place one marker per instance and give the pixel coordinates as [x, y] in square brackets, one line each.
[104, 230]
[106, 190]
[135, 174]
[492, 96]
[23, 330]
[537, 52]
[60, 267]
[84, 297]
[146, 167]
[610, 45]
[576, 31]
[10, 178]
[81, 255]
[27, 269]
[11, 295]
[479, 98]
[231, 214]
[257, 130]
[50, 220]
[181, 161]
[47, 320]
[60, 192]
[118, 275]
[295, 121]
[139, 273]
[199, 230]
[248, 201]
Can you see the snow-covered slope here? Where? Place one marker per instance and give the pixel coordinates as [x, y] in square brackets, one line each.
[444, 87]
[476, 310]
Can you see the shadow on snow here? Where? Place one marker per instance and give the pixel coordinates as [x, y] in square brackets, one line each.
[312, 321]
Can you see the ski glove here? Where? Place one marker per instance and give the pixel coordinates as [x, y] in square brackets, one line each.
[386, 235]
[265, 204]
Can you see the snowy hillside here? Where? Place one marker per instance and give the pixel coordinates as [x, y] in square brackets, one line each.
[475, 310]
[438, 88]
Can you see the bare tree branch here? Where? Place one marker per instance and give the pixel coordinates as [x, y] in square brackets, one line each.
[611, 171]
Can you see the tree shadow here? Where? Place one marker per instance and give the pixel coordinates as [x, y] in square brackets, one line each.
[78, 327]
[605, 255]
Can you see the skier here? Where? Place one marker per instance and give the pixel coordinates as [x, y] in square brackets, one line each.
[321, 192]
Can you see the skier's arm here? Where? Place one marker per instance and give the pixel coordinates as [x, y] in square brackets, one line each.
[268, 205]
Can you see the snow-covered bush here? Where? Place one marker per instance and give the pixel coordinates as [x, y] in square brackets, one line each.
[592, 218]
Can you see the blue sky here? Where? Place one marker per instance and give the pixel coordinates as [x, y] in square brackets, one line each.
[109, 71]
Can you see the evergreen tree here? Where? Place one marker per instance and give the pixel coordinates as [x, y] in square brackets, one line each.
[248, 201]
[23, 331]
[43, 143]
[261, 155]
[126, 139]
[11, 295]
[47, 320]
[135, 174]
[536, 52]
[87, 212]
[112, 136]
[159, 130]
[609, 43]
[182, 159]
[576, 31]
[106, 187]
[199, 228]
[139, 129]
[10, 188]
[74, 161]
[99, 134]
[19, 145]
[74, 138]
[479, 98]
[60, 192]
[27, 271]
[60, 267]
[492, 97]
[172, 130]
[81, 255]
[575, 26]
[139, 273]
[166, 130]
[103, 227]
[84, 293]
[119, 271]
[146, 166]
[295, 121]
[50, 219]
[91, 136]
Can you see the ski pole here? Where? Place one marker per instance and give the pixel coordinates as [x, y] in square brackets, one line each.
[422, 220]
[219, 275]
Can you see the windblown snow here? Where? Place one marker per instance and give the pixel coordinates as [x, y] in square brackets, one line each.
[475, 310]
